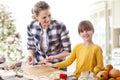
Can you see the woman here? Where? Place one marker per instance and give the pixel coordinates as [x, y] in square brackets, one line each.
[48, 39]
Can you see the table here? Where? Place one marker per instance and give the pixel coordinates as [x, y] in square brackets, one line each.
[36, 72]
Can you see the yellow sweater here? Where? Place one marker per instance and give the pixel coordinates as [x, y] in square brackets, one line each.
[86, 58]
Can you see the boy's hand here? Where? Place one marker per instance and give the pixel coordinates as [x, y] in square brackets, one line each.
[49, 64]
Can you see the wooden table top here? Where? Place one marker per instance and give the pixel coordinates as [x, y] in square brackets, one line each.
[39, 72]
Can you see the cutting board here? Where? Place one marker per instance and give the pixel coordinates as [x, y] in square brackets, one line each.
[41, 73]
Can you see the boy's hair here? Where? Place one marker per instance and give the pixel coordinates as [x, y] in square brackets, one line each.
[39, 6]
[85, 26]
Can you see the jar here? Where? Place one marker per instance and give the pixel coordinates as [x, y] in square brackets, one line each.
[63, 76]
[72, 77]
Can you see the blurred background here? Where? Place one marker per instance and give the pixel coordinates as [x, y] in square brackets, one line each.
[104, 15]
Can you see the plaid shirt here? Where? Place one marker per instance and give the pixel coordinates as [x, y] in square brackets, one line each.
[59, 40]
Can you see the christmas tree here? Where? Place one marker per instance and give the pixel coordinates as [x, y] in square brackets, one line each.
[10, 41]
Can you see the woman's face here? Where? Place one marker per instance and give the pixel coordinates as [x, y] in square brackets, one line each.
[87, 35]
[44, 17]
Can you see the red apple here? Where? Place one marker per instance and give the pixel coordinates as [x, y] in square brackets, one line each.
[97, 69]
[102, 75]
[114, 73]
[108, 67]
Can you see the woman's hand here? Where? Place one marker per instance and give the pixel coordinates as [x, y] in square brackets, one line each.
[50, 58]
[46, 60]
[43, 62]
[30, 59]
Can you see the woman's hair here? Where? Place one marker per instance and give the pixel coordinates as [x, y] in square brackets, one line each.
[39, 6]
[85, 25]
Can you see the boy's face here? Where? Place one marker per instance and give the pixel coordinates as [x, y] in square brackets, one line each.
[44, 18]
[87, 35]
